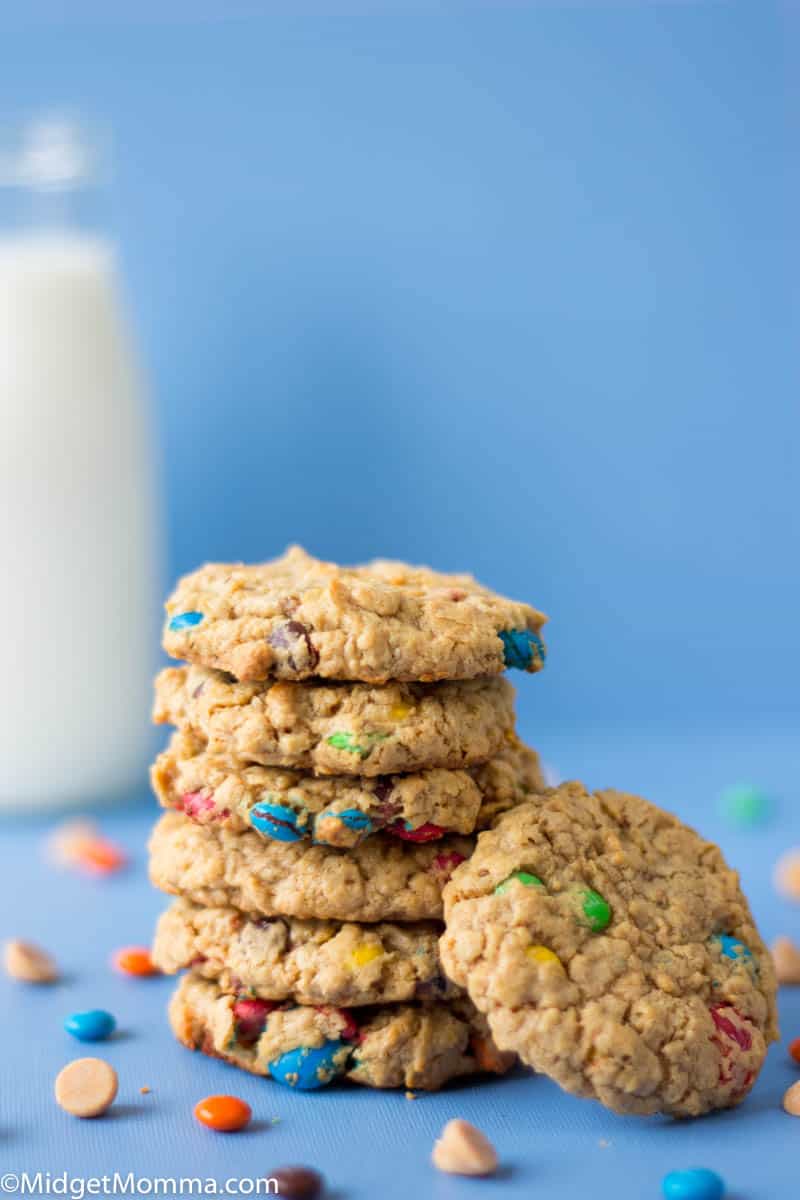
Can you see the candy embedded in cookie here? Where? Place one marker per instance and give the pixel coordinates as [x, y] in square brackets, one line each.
[612, 948]
[523, 649]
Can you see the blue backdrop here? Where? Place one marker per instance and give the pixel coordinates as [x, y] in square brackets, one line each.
[510, 289]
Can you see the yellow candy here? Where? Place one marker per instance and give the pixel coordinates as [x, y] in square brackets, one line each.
[541, 954]
[399, 712]
[364, 954]
[512, 738]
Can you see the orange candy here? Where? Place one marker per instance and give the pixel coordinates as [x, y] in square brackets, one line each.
[99, 855]
[135, 960]
[225, 1113]
[794, 1050]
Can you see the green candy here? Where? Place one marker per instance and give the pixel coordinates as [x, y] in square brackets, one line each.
[592, 910]
[523, 877]
[346, 741]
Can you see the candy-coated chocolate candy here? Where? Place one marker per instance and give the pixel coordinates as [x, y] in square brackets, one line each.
[423, 833]
[94, 1025]
[746, 805]
[224, 1113]
[251, 1017]
[543, 955]
[99, 855]
[134, 960]
[399, 712]
[356, 820]
[186, 620]
[523, 877]
[310, 1067]
[344, 740]
[297, 1183]
[444, 864]
[731, 947]
[591, 909]
[522, 649]
[794, 1050]
[276, 821]
[365, 953]
[195, 804]
[698, 1183]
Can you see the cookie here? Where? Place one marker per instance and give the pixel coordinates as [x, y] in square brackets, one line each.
[383, 879]
[307, 1048]
[342, 811]
[297, 617]
[339, 729]
[307, 962]
[612, 948]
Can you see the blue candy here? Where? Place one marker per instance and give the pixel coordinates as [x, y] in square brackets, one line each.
[521, 648]
[732, 948]
[276, 821]
[354, 818]
[95, 1025]
[185, 620]
[308, 1068]
[696, 1184]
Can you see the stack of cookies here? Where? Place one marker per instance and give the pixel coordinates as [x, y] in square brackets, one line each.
[342, 734]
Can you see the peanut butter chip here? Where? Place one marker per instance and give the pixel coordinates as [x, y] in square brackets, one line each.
[791, 1100]
[464, 1150]
[786, 957]
[86, 1087]
[29, 963]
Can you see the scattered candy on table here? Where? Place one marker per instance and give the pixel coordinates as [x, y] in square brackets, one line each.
[698, 1183]
[94, 1025]
[134, 960]
[79, 843]
[744, 804]
[227, 1114]
[29, 963]
[86, 1087]
[791, 1100]
[463, 1150]
[786, 958]
[787, 874]
[297, 1183]
[794, 1050]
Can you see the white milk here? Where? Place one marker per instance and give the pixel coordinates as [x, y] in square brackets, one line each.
[79, 566]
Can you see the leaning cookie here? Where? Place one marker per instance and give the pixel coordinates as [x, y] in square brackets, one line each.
[307, 1048]
[298, 617]
[287, 806]
[383, 879]
[339, 728]
[613, 949]
[307, 962]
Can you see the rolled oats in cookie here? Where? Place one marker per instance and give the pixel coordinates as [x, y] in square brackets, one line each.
[308, 962]
[297, 617]
[288, 806]
[396, 1046]
[339, 728]
[612, 948]
[383, 879]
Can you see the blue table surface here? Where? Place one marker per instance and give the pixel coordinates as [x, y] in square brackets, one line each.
[367, 1143]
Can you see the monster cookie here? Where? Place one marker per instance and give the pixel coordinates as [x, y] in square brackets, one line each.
[612, 948]
[308, 962]
[297, 617]
[307, 1048]
[339, 729]
[383, 879]
[287, 806]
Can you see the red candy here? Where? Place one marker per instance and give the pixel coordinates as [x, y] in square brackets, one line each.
[350, 1032]
[733, 1036]
[423, 833]
[199, 806]
[251, 1017]
[794, 1050]
[445, 864]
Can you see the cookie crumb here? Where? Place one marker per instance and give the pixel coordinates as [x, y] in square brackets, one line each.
[29, 963]
[463, 1150]
[411, 1095]
[787, 874]
[786, 957]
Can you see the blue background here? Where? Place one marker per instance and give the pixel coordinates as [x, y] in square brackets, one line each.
[512, 290]
[507, 288]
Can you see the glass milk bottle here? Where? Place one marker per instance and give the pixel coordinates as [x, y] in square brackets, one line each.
[78, 593]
